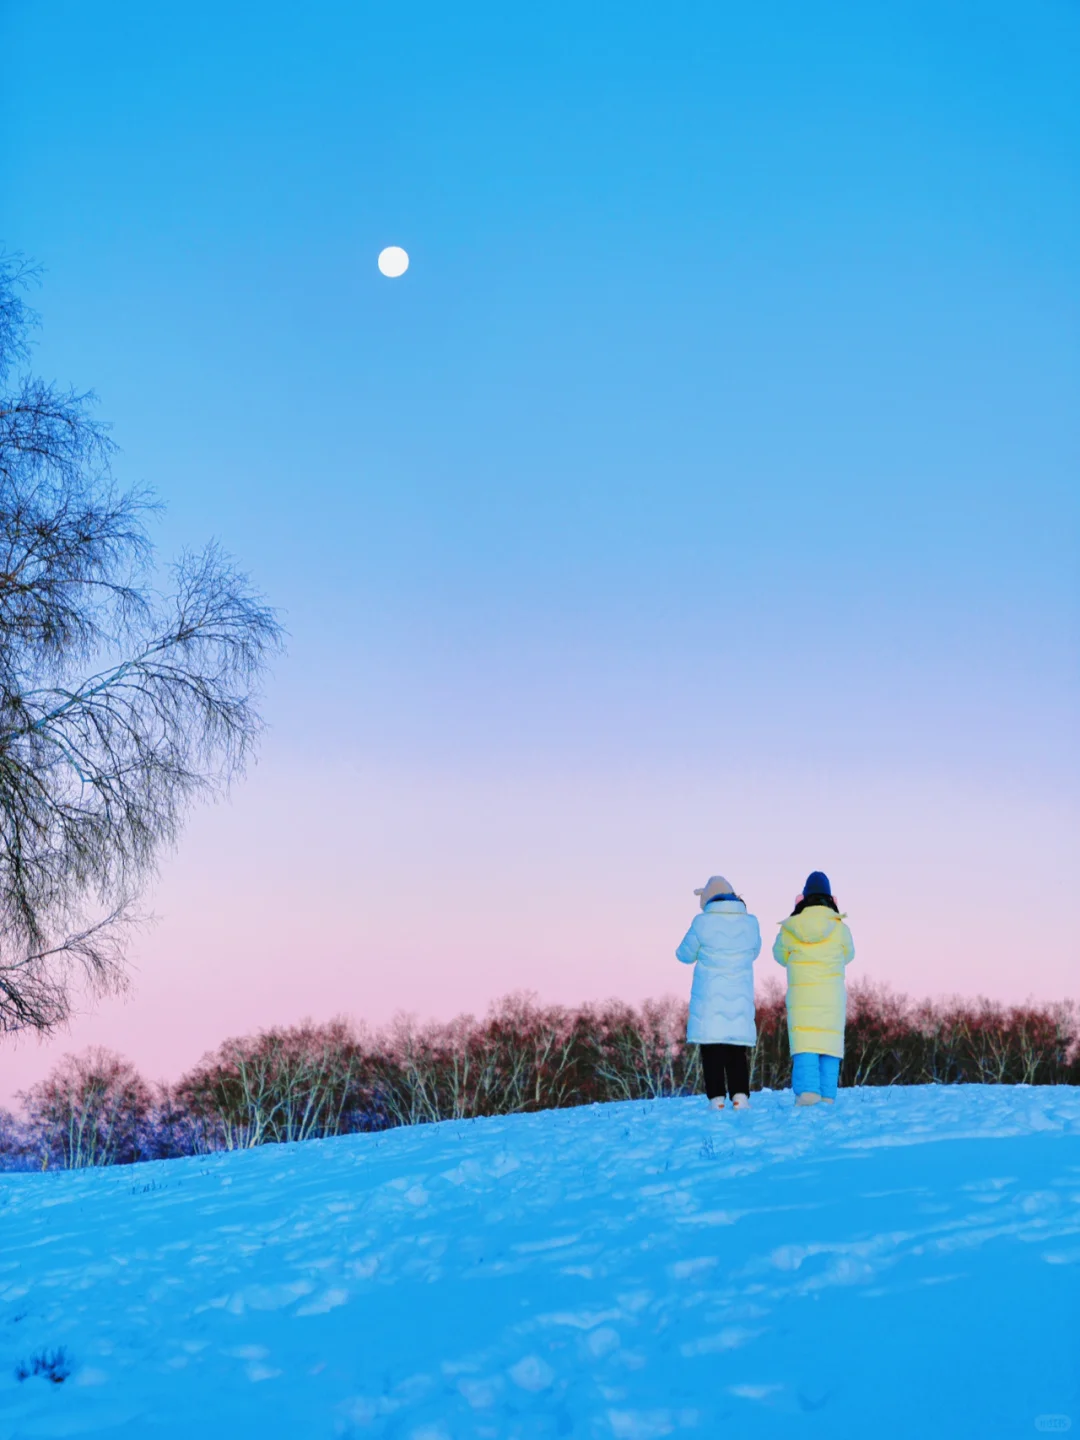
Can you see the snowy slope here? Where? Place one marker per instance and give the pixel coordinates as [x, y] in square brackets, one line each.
[905, 1264]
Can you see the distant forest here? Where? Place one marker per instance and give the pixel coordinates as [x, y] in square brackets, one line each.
[312, 1081]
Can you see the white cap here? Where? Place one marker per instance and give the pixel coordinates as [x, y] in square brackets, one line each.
[717, 885]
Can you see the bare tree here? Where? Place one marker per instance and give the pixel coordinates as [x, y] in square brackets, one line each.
[88, 1111]
[278, 1086]
[118, 703]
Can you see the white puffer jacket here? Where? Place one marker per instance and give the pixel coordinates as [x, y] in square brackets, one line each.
[722, 945]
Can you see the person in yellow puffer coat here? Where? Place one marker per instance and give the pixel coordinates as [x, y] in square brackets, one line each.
[815, 947]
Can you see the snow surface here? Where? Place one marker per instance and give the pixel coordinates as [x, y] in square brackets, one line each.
[904, 1264]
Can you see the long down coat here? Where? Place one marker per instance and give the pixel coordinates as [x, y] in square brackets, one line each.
[815, 947]
[722, 945]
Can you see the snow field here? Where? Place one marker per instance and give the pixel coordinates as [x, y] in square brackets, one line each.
[903, 1263]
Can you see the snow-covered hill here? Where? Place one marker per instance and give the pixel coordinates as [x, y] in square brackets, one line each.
[905, 1264]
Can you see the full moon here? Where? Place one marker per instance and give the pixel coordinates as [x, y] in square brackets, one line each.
[393, 261]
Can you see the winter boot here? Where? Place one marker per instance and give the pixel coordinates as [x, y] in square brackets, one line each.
[741, 1102]
[716, 1103]
[808, 1098]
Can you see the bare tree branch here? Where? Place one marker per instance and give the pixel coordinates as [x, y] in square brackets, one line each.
[118, 705]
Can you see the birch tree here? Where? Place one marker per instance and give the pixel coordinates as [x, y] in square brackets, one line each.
[122, 700]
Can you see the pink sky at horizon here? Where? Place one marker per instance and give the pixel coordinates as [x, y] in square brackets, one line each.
[577, 889]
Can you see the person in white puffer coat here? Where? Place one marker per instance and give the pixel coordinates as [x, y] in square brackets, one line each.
[722, 945]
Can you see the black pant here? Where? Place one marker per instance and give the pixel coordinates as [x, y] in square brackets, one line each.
[730, 1061]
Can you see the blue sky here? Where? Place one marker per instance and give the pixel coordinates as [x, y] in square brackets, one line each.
[724, 426]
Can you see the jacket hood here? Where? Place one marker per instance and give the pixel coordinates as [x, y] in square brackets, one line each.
[813, 925]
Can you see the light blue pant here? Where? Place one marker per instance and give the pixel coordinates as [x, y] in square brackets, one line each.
[816, 1074]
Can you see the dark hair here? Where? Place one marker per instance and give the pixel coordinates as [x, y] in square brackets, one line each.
[809, 900]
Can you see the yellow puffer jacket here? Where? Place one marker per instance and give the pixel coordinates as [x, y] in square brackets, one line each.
[815, 947]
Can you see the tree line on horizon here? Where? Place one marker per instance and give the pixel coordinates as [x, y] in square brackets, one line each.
[314, 1081]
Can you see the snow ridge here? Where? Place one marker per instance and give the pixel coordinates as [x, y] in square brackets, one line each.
[628, 1270]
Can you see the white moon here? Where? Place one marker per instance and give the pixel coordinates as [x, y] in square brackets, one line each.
[393, 261]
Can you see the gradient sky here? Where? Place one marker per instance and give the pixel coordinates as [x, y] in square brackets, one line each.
[703, 499]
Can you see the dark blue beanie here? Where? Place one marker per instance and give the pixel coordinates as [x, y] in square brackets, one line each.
[817, 884]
